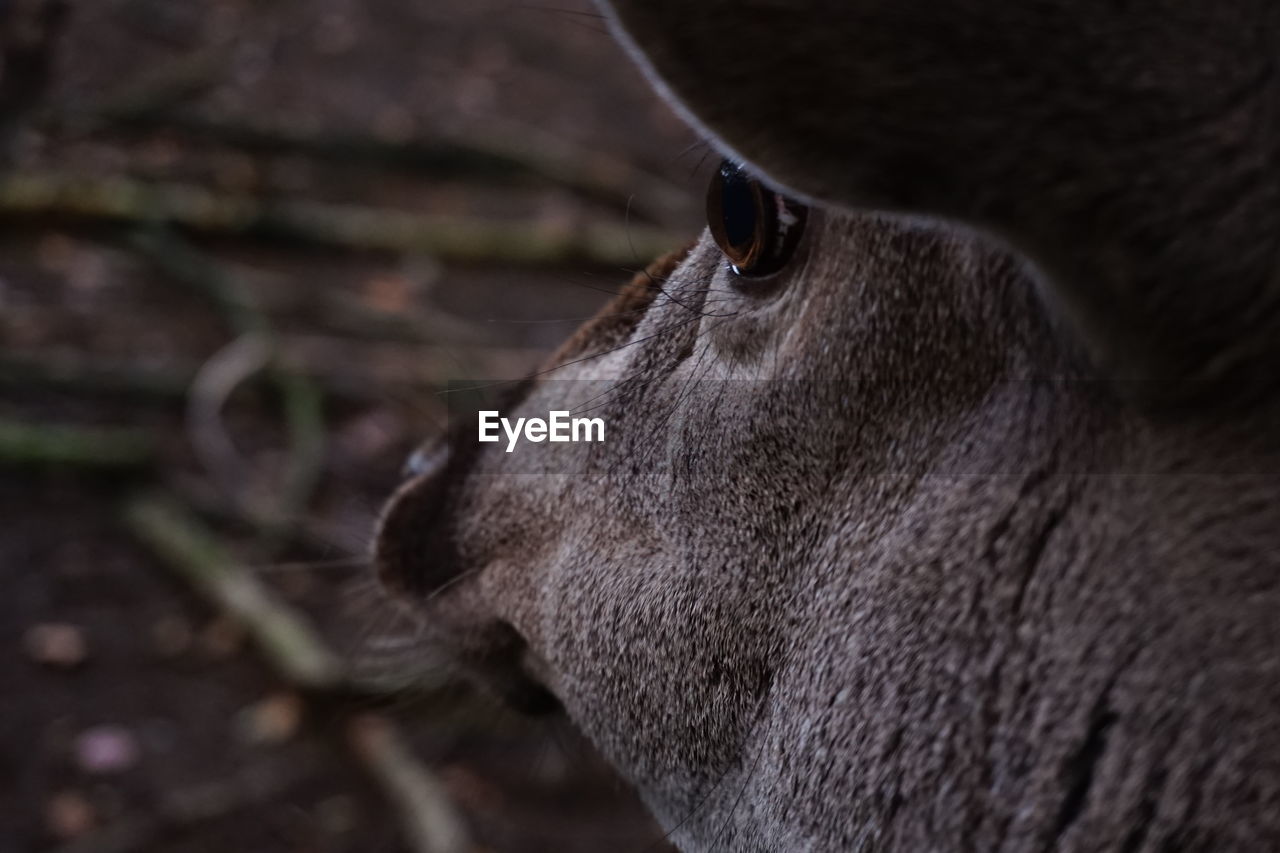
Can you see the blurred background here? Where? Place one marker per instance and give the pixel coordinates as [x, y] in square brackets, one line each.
[243, 245]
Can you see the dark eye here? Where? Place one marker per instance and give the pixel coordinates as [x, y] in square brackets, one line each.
[756, 228]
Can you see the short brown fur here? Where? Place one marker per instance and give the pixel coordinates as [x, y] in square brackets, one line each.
[951, 538]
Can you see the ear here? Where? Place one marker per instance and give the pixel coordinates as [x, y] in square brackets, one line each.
[1127, 149]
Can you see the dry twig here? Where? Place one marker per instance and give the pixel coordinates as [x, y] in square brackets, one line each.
[24, 443]
[282, 634]
[287, 640]
[348, 227]
[214, 383]
[508, 156]
[431, 824]
[254, 350]
[59, 370]
[29, 35]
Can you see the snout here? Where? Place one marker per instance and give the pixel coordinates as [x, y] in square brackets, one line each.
[417, 559]
[413, 553]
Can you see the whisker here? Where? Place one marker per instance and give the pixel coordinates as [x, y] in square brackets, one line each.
[581, 319]
[600, 402]
[737, 801]
[352, 562]
[578, 12]
[702, 161]
[574, 16]
[650, 436]
[706, 148]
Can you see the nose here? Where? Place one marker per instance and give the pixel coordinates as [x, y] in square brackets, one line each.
[414, 552]
[417, 558]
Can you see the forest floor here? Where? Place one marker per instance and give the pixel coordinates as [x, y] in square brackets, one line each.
[242, 248]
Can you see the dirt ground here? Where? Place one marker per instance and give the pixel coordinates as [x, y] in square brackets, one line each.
[134, 714]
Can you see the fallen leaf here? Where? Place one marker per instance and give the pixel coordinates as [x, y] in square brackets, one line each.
[275, 719]
[68, 815]
[56, 644]
[106, 749]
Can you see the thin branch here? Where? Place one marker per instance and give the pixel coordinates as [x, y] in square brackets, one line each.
[186, 546]
[431, 823]
[256, 349]
[506, 158]
[457, 240]
[29, 35]
[226, 370]
[190, 550]
[58, 370]
[165, 86]
[42, 444]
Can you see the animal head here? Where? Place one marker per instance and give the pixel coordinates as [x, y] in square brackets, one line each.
[936, 501]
